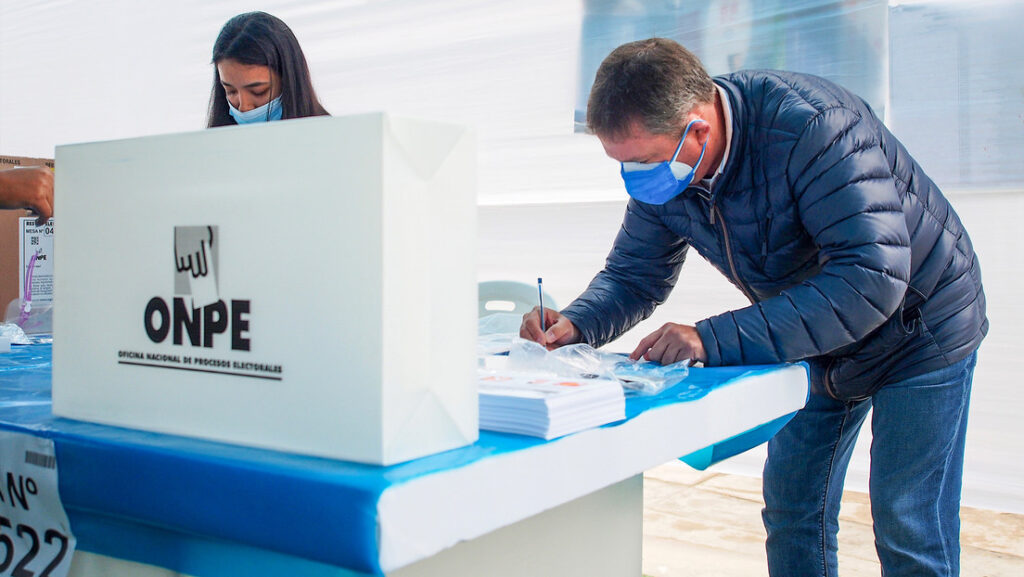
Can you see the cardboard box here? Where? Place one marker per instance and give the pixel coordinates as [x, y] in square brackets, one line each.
[9, 231]
[307, 286]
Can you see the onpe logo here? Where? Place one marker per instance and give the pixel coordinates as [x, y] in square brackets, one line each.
[198, 312]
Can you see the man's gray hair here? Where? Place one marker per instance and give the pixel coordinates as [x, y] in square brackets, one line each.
[653, 82]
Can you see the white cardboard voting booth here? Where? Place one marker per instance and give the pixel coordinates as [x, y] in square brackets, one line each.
[306, 286]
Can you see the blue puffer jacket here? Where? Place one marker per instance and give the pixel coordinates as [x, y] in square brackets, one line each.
[850, 255]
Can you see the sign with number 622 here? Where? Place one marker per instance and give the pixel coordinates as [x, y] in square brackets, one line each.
[37, 550]
[35, 536]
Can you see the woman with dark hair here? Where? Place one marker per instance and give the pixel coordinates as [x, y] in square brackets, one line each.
[260, 73]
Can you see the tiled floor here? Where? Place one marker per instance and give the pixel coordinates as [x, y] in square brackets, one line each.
[700, 524]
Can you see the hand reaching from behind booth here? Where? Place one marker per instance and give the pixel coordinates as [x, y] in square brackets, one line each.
[670, 344]
[28, 187]
[560, 330]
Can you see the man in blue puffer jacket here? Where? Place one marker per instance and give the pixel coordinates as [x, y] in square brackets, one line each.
[852, 260]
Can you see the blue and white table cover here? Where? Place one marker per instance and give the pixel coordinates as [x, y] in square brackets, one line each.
[206, 508]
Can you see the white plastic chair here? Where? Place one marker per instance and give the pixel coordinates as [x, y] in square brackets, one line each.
[506, 296]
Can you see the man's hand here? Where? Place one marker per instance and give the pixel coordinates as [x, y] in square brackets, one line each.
[670, 344]
[29, 187]
[560, 330]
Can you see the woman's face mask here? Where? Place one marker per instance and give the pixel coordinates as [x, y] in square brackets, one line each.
[269, 111]
[660, 182]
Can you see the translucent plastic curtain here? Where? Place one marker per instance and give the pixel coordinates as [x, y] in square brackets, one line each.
[945, 75]
[845, 41]
[957, 90]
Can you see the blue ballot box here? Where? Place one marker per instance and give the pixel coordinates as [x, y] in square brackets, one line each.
[143, 503]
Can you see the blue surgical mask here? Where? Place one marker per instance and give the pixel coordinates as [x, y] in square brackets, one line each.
[660, 182]
[269, 111]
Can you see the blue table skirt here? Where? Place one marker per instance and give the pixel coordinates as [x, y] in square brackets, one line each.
[144, 496]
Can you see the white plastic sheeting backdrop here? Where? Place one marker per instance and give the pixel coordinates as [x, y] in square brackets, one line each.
[519, 71]
[86, 71]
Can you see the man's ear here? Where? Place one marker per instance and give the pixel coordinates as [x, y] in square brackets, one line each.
[702, 130]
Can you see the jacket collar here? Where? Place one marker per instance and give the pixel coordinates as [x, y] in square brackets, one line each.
[727, 120]
[709, 188]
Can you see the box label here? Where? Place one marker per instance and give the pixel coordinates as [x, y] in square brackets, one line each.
[35, 261]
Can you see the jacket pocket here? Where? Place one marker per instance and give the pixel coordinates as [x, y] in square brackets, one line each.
[857, 374]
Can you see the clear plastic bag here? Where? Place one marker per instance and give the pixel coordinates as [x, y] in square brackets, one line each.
[495, 333]
[13, 334]
[34, 319]
[636, 377]
[647, 378]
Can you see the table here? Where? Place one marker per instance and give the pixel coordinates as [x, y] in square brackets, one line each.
[144, 503]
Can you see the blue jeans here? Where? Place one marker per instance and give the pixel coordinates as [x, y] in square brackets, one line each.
[917, 455]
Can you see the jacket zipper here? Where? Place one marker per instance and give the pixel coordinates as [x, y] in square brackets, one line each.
[728, 255]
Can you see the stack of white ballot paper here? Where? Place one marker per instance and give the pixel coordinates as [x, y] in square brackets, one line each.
[547, 407]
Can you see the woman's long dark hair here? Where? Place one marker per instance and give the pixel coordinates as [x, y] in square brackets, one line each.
[259, 38]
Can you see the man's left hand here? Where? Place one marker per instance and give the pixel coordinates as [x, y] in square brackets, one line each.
[670, 344]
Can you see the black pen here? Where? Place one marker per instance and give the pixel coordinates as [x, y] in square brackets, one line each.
[540, 297]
